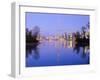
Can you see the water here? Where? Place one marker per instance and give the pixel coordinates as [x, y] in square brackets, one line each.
[56, 53]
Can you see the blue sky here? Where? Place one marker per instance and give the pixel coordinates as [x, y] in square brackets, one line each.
[52, 24]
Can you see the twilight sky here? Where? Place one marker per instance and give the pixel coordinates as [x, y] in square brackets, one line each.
[52, 24]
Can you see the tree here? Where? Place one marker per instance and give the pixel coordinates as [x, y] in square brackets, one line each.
[35, 31]
[83, 29]
[88, 25]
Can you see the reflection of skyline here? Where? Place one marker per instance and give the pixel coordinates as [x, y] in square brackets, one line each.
[34, 49]
[55, 24]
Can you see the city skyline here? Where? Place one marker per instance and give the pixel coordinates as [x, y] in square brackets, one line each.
[53, 24]
[57, 39]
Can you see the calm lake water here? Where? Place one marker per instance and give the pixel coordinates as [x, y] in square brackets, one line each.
[56, 53]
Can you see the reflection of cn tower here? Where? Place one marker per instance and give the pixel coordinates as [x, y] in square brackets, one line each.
[57, 46]
[64, 44]
[58, 55]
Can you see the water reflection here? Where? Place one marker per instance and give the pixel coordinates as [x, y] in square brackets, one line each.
[85, 49]
[56, 52]
[32, 49]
